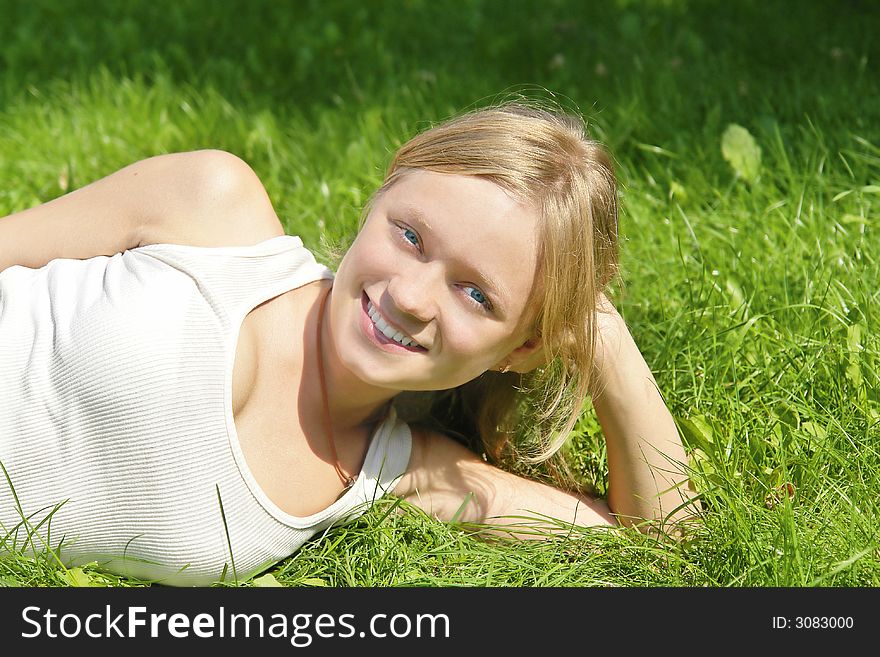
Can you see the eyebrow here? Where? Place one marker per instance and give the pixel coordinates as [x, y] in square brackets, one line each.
[484, 280]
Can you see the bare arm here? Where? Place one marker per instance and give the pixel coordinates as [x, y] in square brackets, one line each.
[197, 197]
[448, 481]
[646, 459]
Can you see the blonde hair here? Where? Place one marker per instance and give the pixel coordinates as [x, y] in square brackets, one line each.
[543, 159]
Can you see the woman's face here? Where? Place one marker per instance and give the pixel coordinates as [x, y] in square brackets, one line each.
[433, 290]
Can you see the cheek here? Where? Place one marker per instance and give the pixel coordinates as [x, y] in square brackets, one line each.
[368, 256]
[479, 344]
[358, 264]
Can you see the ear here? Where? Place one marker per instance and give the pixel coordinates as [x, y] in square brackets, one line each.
[529, 355]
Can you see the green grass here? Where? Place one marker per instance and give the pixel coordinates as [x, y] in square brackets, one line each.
[754, 301]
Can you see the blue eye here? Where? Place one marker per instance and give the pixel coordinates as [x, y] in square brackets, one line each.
[477, 296]
[410, 236]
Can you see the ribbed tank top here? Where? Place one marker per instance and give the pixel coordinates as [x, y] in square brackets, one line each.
[116, 423]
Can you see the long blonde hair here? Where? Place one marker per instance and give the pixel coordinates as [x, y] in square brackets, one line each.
[543, 159]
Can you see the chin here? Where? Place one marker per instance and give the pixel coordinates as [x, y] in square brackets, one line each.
[375, 372]
[366, 367]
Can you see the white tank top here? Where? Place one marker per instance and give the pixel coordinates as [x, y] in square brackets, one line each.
[116, 423]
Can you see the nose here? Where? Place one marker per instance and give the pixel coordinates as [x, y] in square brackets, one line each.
[415, 292]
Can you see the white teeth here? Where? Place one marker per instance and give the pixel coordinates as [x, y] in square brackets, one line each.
[386, 328]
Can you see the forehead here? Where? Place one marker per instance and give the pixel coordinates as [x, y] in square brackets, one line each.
[473, 221]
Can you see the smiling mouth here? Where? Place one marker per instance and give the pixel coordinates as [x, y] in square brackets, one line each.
[392, 333]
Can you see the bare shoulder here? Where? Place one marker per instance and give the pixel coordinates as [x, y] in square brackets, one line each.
[210, 198]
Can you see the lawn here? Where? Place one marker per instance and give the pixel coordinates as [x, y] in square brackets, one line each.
[747, 140]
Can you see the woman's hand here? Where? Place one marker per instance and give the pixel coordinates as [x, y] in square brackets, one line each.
[449, 482]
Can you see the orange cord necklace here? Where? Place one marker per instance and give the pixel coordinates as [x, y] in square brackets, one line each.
[328, 428]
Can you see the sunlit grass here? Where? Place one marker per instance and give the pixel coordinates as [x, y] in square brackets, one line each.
[754, 302]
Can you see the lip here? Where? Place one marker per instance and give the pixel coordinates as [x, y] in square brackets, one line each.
[376, 336]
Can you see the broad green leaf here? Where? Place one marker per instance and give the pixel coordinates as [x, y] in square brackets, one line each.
[737, 298]
[267, 581]
[696, 433]
[678, 191]
[776, 436]
[786, 412]
[854, 346]
[757, 447]
[854, 337]
[854, 372]
[742, 152]
[700, 461]
[77, 577]
[313, 581]
[814, 430]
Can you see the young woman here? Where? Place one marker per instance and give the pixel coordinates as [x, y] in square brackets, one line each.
[185, 393]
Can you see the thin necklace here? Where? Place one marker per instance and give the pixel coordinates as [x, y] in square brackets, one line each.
[328, 428]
